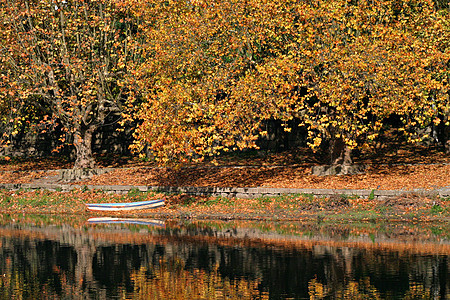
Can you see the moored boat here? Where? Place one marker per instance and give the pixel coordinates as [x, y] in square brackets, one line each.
[125, 206]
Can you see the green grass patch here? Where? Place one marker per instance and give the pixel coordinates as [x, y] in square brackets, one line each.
[264, 200]
[219, 201]
[137, 195]
[383, 209]
[348, 197]
[358, 215]
[276, 202]
[308, 197]
[437, 209]
[5, 201]
[33, 202]
[437, 231]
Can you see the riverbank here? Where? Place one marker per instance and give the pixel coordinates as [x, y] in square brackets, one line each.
[408, 207]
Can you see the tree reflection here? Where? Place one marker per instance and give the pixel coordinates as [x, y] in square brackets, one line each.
[364, 289]
[207, 263]
[172, 281]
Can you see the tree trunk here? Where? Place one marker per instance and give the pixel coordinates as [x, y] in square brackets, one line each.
[83, 145]
[340, 153]
[444, 136]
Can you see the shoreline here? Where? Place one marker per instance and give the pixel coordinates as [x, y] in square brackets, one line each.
[336, 208]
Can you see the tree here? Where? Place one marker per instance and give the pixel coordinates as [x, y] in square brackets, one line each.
[369, 60]
[215, 70]
[71, 56]
[197, 53]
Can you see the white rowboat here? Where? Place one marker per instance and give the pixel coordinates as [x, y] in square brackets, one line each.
[125, 206]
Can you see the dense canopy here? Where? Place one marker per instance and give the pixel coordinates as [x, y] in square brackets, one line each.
[216, 70]
[201, 77]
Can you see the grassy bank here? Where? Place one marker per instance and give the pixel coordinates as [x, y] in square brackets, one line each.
[289, 207]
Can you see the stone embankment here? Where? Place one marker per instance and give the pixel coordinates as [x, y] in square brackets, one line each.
[229, 192]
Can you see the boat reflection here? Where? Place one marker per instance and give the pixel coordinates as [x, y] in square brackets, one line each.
[110, 220]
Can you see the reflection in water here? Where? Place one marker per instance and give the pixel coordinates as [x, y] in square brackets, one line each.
[117, 261]
[108, 220]
[172, 280]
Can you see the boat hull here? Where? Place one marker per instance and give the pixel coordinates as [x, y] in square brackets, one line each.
[125, 206]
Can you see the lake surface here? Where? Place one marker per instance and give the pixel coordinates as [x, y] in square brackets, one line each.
[42, 257]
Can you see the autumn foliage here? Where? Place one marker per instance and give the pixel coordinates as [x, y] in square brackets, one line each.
[69, 57]
[201, 77]
[216, 70]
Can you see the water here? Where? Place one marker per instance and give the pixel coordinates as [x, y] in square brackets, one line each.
[66, 259]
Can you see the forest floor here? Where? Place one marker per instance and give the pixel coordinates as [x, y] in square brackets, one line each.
[404, 169]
